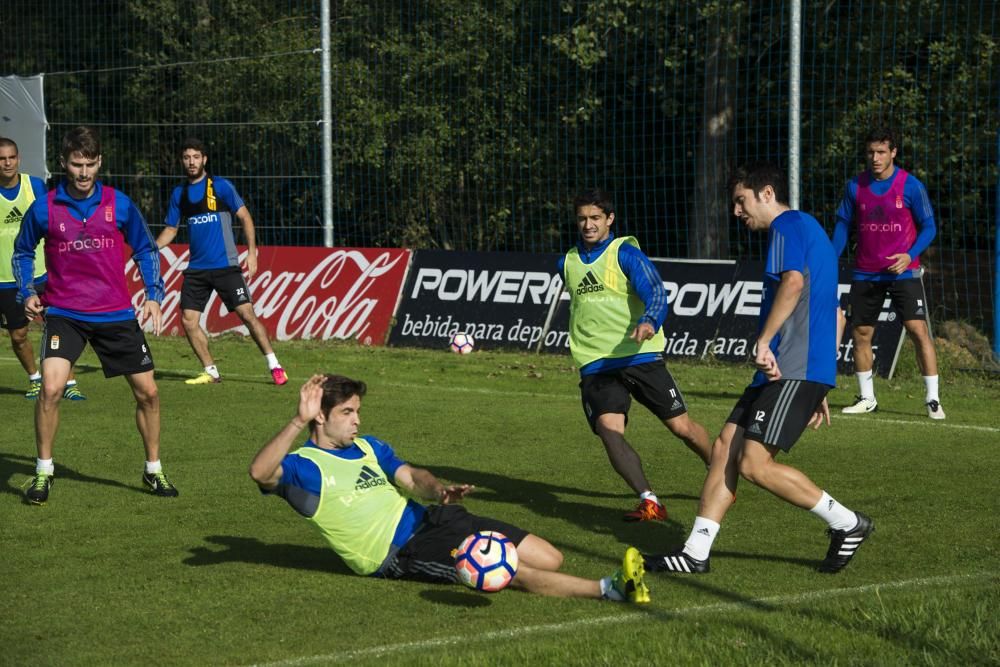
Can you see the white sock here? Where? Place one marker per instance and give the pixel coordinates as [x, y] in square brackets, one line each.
[272, 361]
[70, 383]
[212, 370]
[649, 495]
[866, 386]
[608, 591]
[153, 467]
[45, 465]
[931, 385]
[836, 515]
[35, 376]
[699, 542]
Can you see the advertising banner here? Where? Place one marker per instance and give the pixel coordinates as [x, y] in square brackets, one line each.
[714, 311]
[309, 293]
[501, 299]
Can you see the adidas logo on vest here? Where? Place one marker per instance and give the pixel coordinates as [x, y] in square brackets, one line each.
[589, 284]
[368, 479]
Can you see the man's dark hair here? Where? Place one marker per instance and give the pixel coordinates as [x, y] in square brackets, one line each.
[758, 175]
[880, 133]
[4, 141]
[194, 143]
[83, 140]
[595, 197]
[338, 389]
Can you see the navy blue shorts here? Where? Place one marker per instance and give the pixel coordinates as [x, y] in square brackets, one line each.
[612, 391]
[778, 412]
[200, 283]
[427, 556]
[121, 346]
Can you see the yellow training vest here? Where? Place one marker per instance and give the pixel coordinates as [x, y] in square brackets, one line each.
[359, 508]
[603, 309]
[11, 213]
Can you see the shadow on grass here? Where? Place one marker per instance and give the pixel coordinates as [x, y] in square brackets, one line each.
[550, 500]
[13, 465]
[251, 550]
[181, 376]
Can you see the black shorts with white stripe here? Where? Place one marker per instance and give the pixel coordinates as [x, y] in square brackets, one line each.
[778, 412]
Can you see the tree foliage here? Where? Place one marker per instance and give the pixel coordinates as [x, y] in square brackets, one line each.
[469, 124]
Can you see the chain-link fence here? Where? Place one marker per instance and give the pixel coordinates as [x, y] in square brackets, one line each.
[470, 124]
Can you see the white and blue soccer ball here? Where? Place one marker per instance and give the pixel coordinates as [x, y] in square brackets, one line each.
[486, 561]
[461, 343]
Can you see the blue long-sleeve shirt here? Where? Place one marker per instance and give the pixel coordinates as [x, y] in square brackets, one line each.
[128, 219]
[645, 280]
[914, 198]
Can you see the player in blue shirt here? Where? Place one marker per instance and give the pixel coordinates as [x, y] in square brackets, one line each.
[796, 359]
[207, 204]
[351, 488]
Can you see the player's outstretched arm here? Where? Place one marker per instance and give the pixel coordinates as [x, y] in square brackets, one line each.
[265, 469]
[423, 484]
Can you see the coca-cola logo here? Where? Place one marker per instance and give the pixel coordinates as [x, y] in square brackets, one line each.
[344, 293]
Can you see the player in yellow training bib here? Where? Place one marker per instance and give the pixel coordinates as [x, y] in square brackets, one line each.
[617, 308]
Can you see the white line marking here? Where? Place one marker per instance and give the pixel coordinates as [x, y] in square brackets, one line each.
[573, 396]
[549, 628]
[930, 423]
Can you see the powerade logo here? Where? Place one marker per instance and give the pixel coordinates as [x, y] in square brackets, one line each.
[487, 286]
[87, 244]
[203, 219]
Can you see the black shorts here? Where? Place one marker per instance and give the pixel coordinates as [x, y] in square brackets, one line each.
[12, 315]
[228, 282]
[427, 556]
[121, 346]
[778, 412]
[867, 297]
[611, 392]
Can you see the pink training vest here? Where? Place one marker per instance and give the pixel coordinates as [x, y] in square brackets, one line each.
[85, 259]
[885, 225]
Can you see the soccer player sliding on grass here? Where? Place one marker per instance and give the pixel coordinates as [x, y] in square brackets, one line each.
[796, 361]
[349, 487]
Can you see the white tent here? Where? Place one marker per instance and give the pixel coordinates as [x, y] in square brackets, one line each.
[22, 118]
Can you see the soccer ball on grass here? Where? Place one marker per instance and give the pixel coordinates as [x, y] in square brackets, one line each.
[461, 343]
[486, 561]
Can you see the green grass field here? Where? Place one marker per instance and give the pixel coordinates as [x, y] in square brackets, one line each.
[106, 574]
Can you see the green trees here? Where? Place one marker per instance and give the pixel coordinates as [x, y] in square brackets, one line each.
[470, 124]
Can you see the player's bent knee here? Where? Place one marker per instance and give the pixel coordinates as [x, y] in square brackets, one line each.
[538, 553]
[51, 394]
